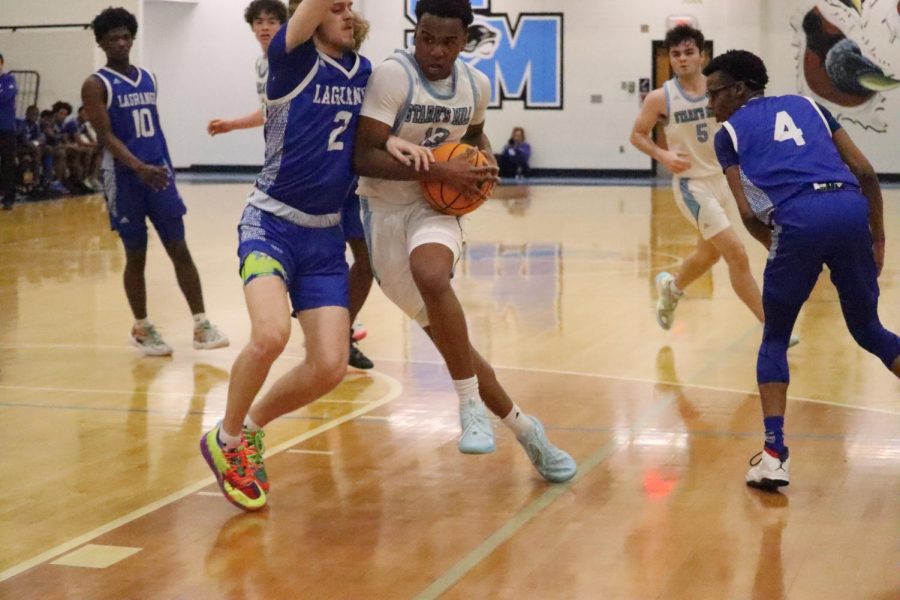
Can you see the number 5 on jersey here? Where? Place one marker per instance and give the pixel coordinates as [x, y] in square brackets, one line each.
[785, 129]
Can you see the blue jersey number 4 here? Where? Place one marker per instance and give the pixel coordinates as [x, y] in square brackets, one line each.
[785, 129]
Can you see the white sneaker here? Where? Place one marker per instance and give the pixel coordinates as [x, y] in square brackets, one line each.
[477, 434]
[667, 301]
[148, 341]
[554, 465]
[795, 339]
[769, 472]
[207, 336]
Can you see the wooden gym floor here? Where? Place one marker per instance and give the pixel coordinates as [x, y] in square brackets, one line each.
[107, 496]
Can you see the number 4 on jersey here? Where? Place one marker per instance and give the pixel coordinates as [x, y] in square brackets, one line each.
[785, 129]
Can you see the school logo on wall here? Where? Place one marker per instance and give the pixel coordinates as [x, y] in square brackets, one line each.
[521, 58]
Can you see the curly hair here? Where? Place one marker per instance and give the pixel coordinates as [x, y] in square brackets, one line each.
[276, 8]
[740, 65]
[683, 33]
[110, 19]
[361, 28]
[451, 9]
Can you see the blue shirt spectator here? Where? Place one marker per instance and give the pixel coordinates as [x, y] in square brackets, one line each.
[8, 92]
[513, 161]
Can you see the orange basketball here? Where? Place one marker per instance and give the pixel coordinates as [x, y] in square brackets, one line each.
[447, 199]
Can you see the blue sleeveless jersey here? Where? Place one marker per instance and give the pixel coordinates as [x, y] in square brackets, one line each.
[131, 105]
[783, 147]
[312, 115]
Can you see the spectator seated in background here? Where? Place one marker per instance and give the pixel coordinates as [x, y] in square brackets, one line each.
[78, 132]
[513, 161]
[30, 149]
[54, 167]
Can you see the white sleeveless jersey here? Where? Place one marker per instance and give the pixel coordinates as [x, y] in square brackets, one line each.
[262, 74]
[432, 114]
[690, 127]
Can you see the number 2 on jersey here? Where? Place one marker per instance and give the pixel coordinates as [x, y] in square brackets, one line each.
[785, 129]
[343, 121]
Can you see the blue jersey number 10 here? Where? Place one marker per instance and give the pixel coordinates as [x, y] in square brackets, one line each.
[143, 123]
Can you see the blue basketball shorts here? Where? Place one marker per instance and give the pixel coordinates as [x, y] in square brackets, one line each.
[131, 202]
[351, 222]
[310, 260]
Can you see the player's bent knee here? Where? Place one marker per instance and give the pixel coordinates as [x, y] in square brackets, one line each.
[268, 343]
[771, 362]
[874, 338]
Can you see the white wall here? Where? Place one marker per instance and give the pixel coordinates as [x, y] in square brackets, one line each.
[203, 54]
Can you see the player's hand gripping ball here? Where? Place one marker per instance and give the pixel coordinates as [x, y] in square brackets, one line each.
[448, 199]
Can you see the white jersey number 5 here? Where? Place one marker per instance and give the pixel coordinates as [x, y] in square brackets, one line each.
[785, 129]
[343, 121]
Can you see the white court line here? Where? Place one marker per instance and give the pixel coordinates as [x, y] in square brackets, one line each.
[394, 389]
[216, 494]
[301, 451]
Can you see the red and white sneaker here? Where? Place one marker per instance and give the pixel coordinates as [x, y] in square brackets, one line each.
[358, 332]
[771, 471]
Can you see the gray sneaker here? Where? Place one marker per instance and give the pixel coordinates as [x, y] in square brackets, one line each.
[667, 301]
[207, 336]
[148, 341]
[477, 434]
[554, 465]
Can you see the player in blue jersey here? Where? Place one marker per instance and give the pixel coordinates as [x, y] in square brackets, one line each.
[808, 194]
[120, 100]
[265, 17]
[291, 246]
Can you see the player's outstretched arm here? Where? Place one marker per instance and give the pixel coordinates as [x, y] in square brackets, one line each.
[757, 228]
[217, 126]
[303, 23]
[652, 110]
[93, 96]
[871, 189]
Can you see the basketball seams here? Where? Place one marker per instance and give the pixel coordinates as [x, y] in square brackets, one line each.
[436, 192]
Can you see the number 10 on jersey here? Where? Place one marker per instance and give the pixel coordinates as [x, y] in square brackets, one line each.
[143, 123]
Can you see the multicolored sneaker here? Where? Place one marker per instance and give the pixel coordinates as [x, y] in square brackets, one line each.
[358, 332]
[207, 336]
[477, 434]
[771, 471]
[235, 472]
[146, 339]
[667, 301]
[256, 449]
[554, 465]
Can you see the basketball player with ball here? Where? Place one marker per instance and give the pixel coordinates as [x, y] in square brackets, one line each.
[430, 98]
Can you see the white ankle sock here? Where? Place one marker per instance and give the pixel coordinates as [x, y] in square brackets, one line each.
[249, 424]
[466, 388]
[228, 441]
[145, 322]
[675, 289]
[199, 318]
[518, 422]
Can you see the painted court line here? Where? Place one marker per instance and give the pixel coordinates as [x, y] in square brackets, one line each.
[455, 573]
[394, 389]
[302, 451]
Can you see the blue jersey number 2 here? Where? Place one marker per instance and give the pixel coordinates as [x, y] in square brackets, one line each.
[343, 121]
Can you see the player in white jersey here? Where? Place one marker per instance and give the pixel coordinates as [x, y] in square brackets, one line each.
[699, 186]
[265, 18]
[428, 98]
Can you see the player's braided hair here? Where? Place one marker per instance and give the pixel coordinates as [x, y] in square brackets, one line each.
[681, 33]
[276, 8]
[451, 9]
[740, 65]
[112, 18]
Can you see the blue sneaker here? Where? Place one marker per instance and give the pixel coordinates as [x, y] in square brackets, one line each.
[554, 465]
[477, 435]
